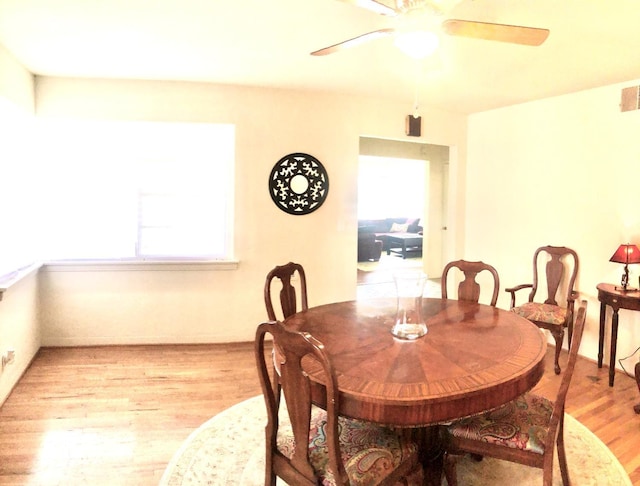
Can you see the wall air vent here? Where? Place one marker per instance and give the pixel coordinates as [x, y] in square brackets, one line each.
[630, 99]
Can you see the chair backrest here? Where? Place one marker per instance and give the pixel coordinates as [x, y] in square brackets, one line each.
[558, 407]
[294, 346]
[560, 272]
[469, 289]
[288, 297]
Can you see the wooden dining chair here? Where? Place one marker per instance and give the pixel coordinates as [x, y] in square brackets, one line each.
[319, 446]
[285, 274]
[555, 313]
[288, 296]
[469, 288]
[525, 430]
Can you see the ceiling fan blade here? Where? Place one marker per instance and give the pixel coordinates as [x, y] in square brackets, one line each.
[373, 6]
[361, 39]
[514, 34]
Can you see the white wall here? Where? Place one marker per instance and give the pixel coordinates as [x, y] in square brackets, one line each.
[19, 328]
[16, 82]
[101, 307]
[560, 171]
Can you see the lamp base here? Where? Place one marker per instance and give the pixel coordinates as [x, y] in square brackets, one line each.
[623, 289]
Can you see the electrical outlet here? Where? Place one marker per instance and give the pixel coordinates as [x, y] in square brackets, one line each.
[8, 358]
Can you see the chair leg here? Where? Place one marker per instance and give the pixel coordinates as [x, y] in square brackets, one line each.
[562, 457]
[558, 335]
[449, 467]
[270, 477]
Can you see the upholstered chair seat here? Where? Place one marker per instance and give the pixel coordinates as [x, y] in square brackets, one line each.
[369, 452]
[549, 313]
[521, 424]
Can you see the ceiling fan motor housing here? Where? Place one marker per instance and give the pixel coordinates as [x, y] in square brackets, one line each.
[424, 6]
[435, 6]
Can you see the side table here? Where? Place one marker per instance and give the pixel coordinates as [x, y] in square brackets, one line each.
[616, 299]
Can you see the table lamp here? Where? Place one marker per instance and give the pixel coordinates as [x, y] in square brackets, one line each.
[626, 254]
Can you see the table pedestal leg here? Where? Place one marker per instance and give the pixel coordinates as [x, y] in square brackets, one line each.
[431, 453]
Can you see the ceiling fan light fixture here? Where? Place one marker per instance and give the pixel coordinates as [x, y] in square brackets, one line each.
[417, 44]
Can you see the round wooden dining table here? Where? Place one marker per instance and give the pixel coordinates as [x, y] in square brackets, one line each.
[473, 358]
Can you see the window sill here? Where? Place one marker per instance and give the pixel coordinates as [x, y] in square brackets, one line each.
[145, 266]
[10, 279]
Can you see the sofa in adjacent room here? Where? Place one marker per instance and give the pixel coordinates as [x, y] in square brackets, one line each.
[369, 248]
[383, 228]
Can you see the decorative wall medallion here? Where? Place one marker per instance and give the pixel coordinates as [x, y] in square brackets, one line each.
[298, 184]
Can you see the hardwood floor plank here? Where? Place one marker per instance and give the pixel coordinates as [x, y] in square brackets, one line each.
[115, 415]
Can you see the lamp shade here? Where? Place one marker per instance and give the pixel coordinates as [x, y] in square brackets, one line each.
[626, 254]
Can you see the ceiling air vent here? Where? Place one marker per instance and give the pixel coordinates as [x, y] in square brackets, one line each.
[630, 99]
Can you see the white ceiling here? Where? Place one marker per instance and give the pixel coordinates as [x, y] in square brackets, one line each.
[267, 43]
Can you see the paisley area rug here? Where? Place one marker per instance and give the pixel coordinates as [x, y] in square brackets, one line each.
[228, 450]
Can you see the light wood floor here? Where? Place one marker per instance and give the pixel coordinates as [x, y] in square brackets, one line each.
[115, 415]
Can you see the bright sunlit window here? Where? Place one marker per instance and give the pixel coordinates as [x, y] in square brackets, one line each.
[390, 187]
[135, 190]
[18, 235]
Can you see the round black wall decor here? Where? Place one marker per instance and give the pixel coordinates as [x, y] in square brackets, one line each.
[298, 184]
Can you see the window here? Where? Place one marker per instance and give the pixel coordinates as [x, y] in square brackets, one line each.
[18, 234]
[135, 190]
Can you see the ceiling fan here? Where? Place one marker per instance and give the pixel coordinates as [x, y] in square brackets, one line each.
[419, 20]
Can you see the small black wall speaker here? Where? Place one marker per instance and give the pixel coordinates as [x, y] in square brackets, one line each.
[413, 124]
[630, 99]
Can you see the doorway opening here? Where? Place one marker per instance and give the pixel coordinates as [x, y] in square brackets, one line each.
[402, 204]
